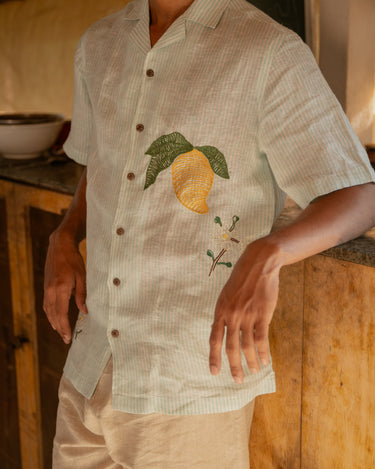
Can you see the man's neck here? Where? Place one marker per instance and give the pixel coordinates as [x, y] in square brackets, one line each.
[164, 12]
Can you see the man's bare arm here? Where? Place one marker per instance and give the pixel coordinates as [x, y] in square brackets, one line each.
[247, 302]
[65, 270]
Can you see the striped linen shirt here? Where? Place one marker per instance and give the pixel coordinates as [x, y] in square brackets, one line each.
[191, 147]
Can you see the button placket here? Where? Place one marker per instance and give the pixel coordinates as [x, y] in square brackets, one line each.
[136, 147]
[148, 73]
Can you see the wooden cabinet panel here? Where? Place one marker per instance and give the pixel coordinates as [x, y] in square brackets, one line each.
[51, 349]
[24, 266]
[10, 455]
[338, 425]
[275, 432]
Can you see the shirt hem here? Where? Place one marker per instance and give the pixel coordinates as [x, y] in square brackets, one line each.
[204, 405]
[85, 386]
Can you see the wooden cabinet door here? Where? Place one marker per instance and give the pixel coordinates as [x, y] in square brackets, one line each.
[51, 351]
[39, 359]
[10, 454]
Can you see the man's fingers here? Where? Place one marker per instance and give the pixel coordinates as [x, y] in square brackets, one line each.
[61, 317]
[80, 293]
[216, 343]
[261, 341]
[248, 347]
[234, 353]
[49, 301]
[65, 331]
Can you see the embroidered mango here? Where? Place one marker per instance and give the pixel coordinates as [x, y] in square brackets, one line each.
[192, 179]
[193, 169]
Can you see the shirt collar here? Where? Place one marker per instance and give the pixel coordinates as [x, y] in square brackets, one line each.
[136, 10]
[206, 13]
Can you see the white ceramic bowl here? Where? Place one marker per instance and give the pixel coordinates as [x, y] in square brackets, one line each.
[25, 136]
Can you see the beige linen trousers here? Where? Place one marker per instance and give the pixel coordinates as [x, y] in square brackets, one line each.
[91, 435]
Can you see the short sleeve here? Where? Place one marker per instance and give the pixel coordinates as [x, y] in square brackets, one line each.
[78, 144]
[303, 131]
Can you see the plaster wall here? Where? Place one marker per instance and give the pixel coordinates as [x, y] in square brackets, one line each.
[333, 54]
[37, 43]
[347, 59]
[38, 39]
[360, 85]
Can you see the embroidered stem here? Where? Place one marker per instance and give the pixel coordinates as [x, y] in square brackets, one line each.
[216, 260]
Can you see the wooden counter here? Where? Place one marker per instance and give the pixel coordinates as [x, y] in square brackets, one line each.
[322, 341]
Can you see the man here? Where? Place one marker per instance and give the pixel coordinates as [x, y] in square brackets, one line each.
[194, 119]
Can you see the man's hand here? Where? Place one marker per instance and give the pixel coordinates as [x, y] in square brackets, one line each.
[64, 275]
[64, 271]
[245, 307]
[247, 302]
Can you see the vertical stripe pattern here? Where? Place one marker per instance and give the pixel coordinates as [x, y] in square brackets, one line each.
[233, 85]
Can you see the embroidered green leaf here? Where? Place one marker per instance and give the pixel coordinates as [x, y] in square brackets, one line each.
[210, 254]
[234, 221]
[163, 152]
[216, 160]
[218, 221]
[227, 264]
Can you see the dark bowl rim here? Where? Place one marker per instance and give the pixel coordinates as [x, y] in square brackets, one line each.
[30, 118]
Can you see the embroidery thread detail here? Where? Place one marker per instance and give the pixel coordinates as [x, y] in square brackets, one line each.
[193, 169]
[80, 319]
[227, 238]
[78, 331]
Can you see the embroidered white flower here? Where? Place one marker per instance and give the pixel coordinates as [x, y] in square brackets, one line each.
[225, 241]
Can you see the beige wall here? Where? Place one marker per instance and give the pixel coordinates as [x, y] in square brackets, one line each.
[333, 57]
[347, 59]
[37, 43]
[360, 98]
[38, 39]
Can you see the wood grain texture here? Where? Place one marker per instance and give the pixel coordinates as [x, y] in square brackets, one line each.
[52, 351]
[26, 385]
[338, 425]
[10, 454]
[19, 199]
[275, 432]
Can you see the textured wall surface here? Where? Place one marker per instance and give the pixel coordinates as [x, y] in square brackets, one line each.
[38, 39]
[37, 43]
[347, 59]
[360, 94]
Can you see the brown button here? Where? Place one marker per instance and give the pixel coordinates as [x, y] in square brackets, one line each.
[131, 176]
[115, 333]
[120, 231]
[116, 281]
[140, 127]
[150, 73]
